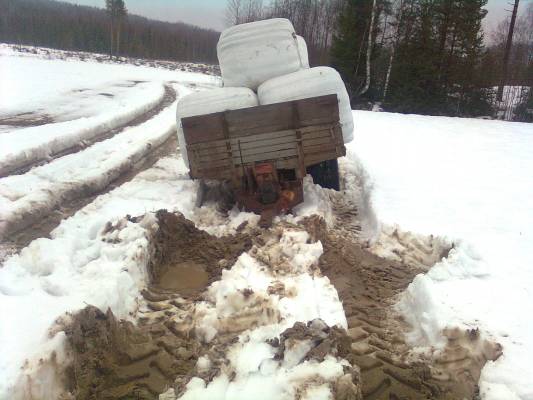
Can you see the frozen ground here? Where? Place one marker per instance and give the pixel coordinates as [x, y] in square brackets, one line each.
[470, 181]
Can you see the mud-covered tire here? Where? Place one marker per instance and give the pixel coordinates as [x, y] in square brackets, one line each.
[326, 174]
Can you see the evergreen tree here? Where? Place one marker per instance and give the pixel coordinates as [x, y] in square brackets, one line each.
[348, 49]
[438, 63]
[116, 9]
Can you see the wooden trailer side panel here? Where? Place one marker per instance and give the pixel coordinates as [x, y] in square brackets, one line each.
[292, 134]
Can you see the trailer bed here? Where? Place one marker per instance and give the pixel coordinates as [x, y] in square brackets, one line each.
[292, 135]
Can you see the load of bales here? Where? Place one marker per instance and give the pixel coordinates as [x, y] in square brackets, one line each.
[265, 62]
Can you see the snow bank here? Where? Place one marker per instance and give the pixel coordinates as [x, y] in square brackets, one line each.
[211, 101]
[317, 81]
[25, 146]
[28, 197]
[283, 286]
[252, 53]
[468, 181]
[31, 83]
[82, 264]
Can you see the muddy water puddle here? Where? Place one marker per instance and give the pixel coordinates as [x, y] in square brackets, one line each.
[183, 277]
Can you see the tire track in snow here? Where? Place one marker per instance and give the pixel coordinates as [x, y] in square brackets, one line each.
[43, 227]
[30, 198]
[168, 98]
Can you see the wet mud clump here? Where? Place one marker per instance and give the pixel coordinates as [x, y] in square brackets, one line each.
[115, 359]
[322, 341]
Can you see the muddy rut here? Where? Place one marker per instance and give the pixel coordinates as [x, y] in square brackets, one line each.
[119, 360]
[368, 286]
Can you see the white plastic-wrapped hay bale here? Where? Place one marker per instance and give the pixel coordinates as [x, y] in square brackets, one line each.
[302, 49]
[252, 53]
[317, 81]
[211, 101]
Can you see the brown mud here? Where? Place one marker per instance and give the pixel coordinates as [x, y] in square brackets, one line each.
[119, 360]
[368, 286]
[186, 259]
[325, 341]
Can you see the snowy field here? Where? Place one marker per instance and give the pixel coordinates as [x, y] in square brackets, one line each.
[467, 180]
[472, 182]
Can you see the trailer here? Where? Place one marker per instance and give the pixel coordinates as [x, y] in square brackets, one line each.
[264, 152]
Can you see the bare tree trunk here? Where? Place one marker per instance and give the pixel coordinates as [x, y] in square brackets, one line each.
[112, 39]
[393, 50]
[389, 69]
[507, 53]
[369, 49]
[119, 25]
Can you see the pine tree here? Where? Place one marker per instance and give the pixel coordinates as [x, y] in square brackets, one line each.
[116, 10]
[437, 67]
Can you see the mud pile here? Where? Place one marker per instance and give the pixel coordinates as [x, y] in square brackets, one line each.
[323, 340]
[118, 360]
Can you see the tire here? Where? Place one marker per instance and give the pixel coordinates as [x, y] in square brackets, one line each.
[326, 174]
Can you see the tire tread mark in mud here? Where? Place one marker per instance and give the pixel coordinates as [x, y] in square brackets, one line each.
[367, 286]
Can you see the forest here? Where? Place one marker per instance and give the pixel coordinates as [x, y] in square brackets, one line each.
[425, 56]
[72, 27]
[412, 56]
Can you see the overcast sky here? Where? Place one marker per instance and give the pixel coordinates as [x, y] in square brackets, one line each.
[210, 13]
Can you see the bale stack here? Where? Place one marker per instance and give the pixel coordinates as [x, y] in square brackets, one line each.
[265, 62]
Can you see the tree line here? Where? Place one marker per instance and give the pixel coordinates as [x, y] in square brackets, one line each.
[68, 26]
[413, 56]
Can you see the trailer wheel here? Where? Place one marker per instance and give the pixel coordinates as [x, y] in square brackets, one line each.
[326, 174]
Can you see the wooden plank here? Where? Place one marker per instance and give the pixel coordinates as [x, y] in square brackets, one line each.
[261, 119]
[203, 128]
[319, 157]
[318, 110]
[328, 140]
[264, 149]
[265, 156]
[288, 142]
[226, 162]
[318, 149]
[263, 136]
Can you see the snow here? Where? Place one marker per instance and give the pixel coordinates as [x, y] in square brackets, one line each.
[22, 147]
[39, 191]
[52, 88]
[83, 264]
[42, 84]
[267, 315]
[468, 181]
